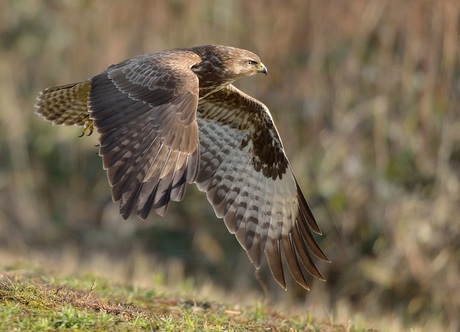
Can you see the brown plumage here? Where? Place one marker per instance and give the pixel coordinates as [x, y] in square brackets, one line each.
[173, 117]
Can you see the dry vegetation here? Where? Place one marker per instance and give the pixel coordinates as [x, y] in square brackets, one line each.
[366, 95]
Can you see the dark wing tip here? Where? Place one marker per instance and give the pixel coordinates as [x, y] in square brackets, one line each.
[273, 255]
[305, 210]
[302, 252]
[293, 261]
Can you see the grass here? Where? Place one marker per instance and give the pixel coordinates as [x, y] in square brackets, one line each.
[33, 300]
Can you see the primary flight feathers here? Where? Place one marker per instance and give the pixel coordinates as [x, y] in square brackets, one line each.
[173, 117]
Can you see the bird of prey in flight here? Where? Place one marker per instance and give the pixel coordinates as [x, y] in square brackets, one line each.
[174, 117]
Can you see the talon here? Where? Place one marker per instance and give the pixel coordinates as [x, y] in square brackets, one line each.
[88, 128]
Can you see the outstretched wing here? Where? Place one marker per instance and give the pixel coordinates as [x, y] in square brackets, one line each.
[144, 108]
[250, 184]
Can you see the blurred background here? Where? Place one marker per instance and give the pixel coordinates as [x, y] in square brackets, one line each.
[365, 95]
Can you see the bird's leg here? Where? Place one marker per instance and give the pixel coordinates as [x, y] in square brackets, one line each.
[88, 128]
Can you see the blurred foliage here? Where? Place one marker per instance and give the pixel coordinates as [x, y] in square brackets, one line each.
[366, 96]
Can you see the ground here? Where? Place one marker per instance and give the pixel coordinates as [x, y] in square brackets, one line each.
[32, 299]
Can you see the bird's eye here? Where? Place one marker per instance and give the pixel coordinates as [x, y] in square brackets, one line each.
[252, 62]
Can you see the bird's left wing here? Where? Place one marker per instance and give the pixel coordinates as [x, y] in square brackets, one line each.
[144, 108]
[250, 184]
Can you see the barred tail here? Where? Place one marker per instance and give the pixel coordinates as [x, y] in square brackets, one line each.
[65, 104]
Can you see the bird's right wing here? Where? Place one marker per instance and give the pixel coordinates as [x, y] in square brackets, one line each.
[250, 184]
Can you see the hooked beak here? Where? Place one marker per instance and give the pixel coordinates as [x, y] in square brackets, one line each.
[262, 69]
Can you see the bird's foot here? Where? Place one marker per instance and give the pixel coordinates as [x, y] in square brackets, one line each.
[88, 128]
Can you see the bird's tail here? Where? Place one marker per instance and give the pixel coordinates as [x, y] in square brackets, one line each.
[66, 104]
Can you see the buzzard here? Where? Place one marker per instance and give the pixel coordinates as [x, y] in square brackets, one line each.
[173, 117]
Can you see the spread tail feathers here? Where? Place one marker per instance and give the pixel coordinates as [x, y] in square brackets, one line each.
[65, 104]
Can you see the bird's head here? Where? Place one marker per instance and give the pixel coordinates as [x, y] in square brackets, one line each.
[229, 63]
[241, 62]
